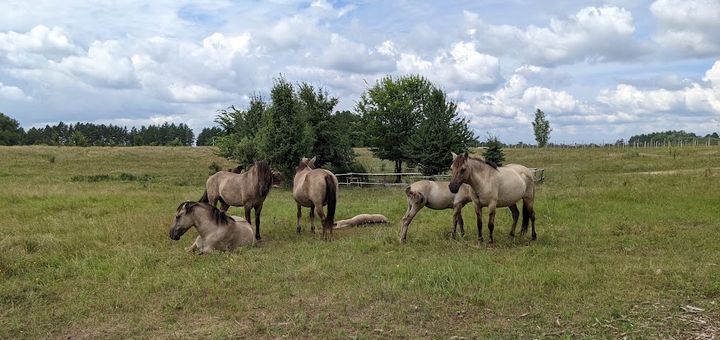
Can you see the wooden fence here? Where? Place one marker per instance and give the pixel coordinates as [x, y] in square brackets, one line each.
[388, 179]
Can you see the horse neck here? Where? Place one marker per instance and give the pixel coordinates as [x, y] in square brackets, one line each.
[481, 172]
[202, 219]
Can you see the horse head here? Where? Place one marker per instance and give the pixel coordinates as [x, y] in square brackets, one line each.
[460, 172]
[183, 221]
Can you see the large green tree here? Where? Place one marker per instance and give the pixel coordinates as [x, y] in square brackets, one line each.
[330, 144]
[285, 136]
[408, 119]
[10, 131]
[541, 128]
[440, 131]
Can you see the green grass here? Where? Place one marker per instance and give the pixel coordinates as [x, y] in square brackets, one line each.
[627, 240]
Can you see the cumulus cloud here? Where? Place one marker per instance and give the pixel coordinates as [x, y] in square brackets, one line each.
[594, 34]
[688, 27]
[13, 93]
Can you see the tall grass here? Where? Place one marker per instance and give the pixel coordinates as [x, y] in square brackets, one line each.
[627, 247]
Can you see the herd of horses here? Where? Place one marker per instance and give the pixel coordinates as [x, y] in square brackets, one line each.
[474, 180]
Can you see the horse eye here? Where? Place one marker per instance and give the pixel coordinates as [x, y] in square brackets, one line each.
[177, 217]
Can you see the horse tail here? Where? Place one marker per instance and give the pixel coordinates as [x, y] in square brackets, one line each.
[414, 196]
[204, 198]
[331, 198]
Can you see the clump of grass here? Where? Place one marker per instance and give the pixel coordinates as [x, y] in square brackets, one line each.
[214, 167]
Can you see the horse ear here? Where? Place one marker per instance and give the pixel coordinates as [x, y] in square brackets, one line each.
[454, 155]
[312, 160]
[466, 155]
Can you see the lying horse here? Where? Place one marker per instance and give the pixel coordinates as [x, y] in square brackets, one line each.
[496, 187]
[315, 188]
[361, 219]
[247, 189]
[437, 196]
[216, 230]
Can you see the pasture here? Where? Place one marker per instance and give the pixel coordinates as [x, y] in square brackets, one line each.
[628, 246]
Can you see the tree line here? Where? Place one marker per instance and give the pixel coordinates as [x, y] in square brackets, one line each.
[89, 134]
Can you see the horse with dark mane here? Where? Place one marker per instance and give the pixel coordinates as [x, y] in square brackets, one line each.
[496, 187]
[315, 188]
[216, 230]
[247, 189]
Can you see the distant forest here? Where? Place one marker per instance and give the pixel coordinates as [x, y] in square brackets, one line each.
[89, 134]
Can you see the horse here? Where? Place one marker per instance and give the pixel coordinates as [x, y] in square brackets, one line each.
[216, 230]
[315, 188]
[496, 187]
[247, 189]
[437, 196]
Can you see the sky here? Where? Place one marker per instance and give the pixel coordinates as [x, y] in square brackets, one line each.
[601, 71]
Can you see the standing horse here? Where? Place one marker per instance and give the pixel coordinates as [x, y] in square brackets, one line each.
[216, 230]
[315, 188]
[496, 187]
[437, 196]
[248, 189]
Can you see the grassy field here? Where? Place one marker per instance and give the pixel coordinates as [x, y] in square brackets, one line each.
[628, 246]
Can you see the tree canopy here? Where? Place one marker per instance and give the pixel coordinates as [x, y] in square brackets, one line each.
[408, 119]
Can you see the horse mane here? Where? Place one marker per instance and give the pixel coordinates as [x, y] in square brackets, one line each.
[220, 217]
[265, 177]
[459, 160]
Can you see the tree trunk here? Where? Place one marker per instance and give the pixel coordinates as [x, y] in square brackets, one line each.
[398, 169]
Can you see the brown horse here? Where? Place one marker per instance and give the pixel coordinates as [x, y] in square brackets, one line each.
[248, 190]
[216, 230]
[315, 188]
[437, 196]
[496, 187]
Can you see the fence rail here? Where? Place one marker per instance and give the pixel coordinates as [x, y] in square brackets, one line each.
[388, 179]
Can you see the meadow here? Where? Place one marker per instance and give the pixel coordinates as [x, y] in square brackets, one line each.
[628, 247]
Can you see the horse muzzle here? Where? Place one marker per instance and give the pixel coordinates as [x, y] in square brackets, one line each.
[175, 233]
[454, 187]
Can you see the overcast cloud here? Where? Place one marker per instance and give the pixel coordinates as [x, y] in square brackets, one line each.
[600, 70]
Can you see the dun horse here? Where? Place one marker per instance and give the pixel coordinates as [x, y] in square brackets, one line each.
[496, 187]
[216, 230]
[437, 196]
[248, 190]
[315, 188]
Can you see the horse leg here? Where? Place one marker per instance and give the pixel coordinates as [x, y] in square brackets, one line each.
[515, 214]
[258, 209]
[478, 217]
[457, 219]
[528, 214]
[224, 206]
[299, 215]
[409, 215]
[312, 219]
[327, 235]
[491, 224]
[193, 246]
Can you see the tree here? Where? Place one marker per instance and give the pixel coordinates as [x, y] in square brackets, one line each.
[439, 132]
[330, 144]
[541, 127]
[207, 135]
[284, 136]
[494, 151]
[77, 138]
[409, 119]
[391, 110]
[10, 131]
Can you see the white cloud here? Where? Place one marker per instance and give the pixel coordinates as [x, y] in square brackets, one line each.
[688, 26]
[13, 93]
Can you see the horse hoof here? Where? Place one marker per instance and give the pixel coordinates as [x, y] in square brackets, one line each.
[490, 246]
